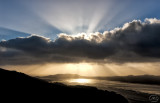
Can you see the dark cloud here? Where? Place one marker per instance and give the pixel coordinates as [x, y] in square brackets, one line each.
[136, 41]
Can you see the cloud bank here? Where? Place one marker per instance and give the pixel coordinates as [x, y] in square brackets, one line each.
[136, 41]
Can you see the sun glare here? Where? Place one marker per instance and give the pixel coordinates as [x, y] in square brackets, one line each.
[80, 81]
[81, 68]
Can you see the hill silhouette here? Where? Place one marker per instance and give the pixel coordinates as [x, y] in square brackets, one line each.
[19, 87]
[141, 79]
[60, 76]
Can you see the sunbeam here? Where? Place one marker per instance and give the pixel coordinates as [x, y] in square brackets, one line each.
[75, 16]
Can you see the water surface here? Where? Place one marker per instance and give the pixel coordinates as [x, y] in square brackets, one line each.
[106, 85]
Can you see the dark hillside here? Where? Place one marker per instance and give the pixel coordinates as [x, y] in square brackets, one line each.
[19, 87]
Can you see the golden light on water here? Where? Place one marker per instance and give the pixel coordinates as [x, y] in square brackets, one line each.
[81, 81]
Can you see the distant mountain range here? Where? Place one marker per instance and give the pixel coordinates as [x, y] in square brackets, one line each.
[60, 76]
[18, 87]
[142, 79]
[7, 34]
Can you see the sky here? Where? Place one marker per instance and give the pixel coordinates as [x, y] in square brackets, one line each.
[86, 37]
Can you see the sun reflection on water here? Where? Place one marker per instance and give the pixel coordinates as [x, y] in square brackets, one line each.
[80, 81]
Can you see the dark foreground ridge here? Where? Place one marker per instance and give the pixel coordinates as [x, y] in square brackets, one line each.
[20, 87]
